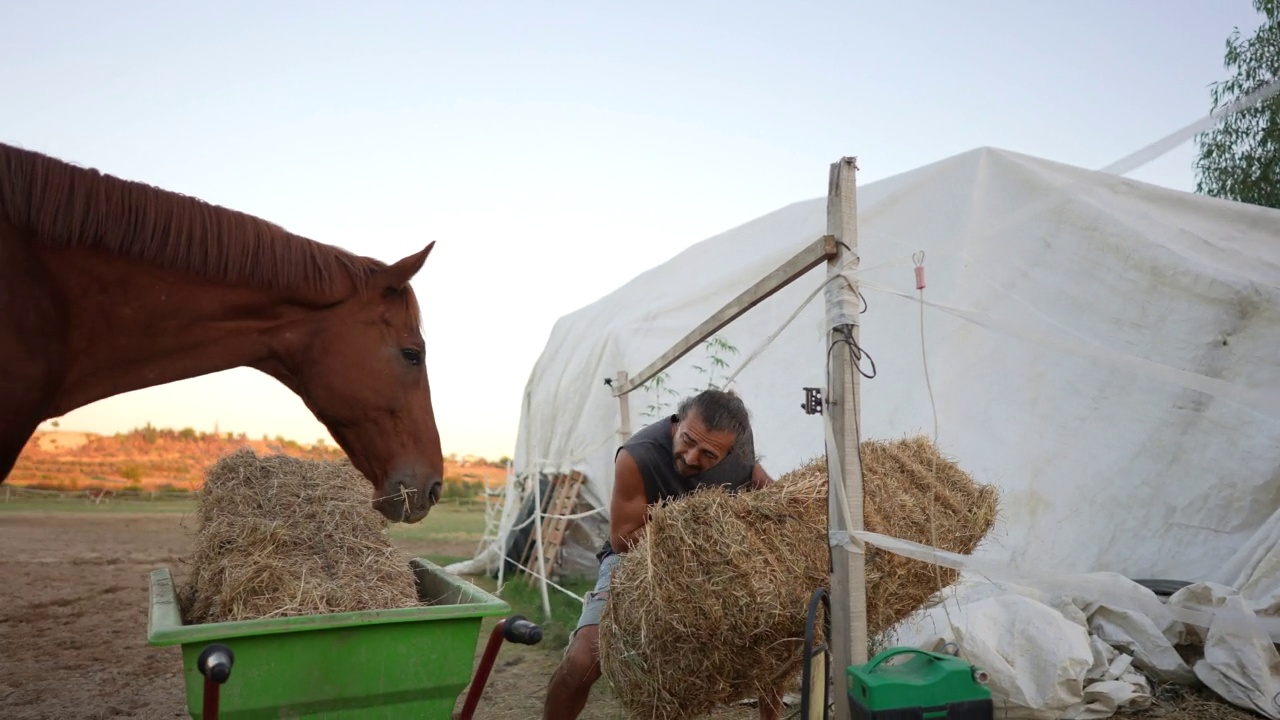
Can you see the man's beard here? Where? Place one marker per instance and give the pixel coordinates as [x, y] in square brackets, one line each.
[683, 469]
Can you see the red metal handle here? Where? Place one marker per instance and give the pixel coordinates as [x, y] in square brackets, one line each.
[210, 700]
[482, 672]
[516, 629]
[214, 664]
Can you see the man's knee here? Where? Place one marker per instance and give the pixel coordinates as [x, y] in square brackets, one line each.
[583, 657]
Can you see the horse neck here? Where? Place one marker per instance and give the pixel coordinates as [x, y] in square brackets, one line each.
[130, 326]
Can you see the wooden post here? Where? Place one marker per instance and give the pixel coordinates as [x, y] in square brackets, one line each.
[848, 569]
[542, 560]
[624, 408]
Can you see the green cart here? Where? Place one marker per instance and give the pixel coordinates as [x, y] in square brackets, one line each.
[398, 663]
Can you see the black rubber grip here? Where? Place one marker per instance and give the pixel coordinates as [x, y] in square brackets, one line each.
[215, 662]
[518, 630]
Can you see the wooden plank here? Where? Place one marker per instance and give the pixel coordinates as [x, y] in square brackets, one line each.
[563, 497]
[848, 569]
[555, 527]
[535, 551]
[527, 556]
[824, 248]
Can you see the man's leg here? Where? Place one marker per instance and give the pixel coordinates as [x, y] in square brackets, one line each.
[578, 671]
[580, 668]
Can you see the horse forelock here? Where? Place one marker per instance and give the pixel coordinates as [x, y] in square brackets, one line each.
[65, 205]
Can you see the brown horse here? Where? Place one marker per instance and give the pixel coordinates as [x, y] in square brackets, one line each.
[108, 286]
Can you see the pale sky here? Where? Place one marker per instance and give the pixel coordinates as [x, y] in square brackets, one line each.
[556, 150]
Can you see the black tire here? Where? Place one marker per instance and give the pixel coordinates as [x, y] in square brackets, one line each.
[1161, 587]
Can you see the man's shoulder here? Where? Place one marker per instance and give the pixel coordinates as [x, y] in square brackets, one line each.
[657, 433]
[649, 451]
[658, 429]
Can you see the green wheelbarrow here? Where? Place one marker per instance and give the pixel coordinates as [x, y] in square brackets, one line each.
[398, 663]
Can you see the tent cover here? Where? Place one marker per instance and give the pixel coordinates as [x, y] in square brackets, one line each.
[1105, 351]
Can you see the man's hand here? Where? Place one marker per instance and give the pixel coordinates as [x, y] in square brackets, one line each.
[759, 478]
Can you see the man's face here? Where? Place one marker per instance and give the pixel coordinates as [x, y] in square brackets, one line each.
[698, 449]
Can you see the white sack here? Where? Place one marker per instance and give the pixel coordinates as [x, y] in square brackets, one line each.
[1242, 668]
[1130, 618]
[1037, 659]
[1037, 647]
[1255, 569]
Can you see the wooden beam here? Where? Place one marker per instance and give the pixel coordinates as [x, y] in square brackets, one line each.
[848, 569]
[624, 410]
[824, 248]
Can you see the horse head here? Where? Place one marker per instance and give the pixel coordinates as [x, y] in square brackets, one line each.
[360, 367]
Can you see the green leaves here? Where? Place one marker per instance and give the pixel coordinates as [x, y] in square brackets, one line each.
[661, 393]
[1240, 156]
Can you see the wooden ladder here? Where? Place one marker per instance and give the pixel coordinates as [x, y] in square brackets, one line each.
[562, 498]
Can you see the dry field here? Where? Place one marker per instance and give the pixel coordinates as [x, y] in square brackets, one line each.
[73, 616]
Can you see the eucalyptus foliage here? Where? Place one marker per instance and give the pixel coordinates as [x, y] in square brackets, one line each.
[1240, 156]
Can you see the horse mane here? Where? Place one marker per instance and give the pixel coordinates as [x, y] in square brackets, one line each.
[69, 206]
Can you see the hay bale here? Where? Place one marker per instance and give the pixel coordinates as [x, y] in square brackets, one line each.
[905, 482]
[281, 536]
[709, 607]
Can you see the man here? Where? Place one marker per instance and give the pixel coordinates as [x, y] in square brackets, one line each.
[707, 442]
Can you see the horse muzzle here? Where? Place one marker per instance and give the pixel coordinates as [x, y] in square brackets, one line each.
[404, 503]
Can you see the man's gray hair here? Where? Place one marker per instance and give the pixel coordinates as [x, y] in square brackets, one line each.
[723, 410]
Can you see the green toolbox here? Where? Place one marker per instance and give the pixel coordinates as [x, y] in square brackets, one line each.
[926, 686]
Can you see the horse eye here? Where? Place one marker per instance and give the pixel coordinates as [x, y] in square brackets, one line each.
[413, 357]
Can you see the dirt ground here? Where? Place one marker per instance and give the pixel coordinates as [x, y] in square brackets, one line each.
[73, 619]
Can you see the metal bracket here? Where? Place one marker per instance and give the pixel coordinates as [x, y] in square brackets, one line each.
[812, 401]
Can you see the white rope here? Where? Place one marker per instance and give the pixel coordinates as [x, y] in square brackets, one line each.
[846, 271]
[918, 259]
[1137, 159]
[566, 591]
[1264, 401]
[1246, 623]
[529, 520]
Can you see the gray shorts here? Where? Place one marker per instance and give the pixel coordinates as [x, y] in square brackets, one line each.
[594, 602]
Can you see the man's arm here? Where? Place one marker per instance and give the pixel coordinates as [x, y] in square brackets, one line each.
[629, 507]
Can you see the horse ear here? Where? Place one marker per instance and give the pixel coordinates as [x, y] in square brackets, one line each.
[398, 275]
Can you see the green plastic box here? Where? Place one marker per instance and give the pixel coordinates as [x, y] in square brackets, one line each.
[927, 685]
[397, 663]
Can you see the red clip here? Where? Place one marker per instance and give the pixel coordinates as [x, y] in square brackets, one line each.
[918, 259]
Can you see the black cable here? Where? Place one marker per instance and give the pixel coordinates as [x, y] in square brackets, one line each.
[856, 353]
[819, 596]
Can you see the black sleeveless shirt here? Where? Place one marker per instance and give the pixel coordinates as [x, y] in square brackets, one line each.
[654, 452]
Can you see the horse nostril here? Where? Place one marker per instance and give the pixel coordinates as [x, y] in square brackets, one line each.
[436, 487]
[400, 490]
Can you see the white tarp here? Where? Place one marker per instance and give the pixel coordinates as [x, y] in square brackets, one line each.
[1107, 352]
